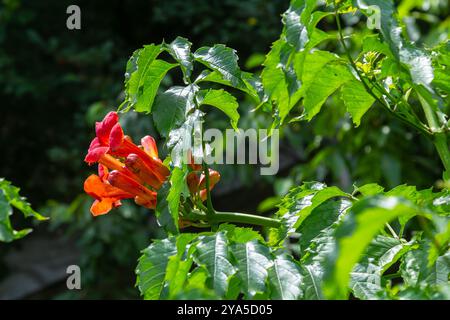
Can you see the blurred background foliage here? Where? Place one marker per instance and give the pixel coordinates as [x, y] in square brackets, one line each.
[55, 83]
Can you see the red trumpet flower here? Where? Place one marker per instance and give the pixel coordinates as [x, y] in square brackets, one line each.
[106, 196]
[197, 185]
[143, 196]
[142, 168]
[136, 171]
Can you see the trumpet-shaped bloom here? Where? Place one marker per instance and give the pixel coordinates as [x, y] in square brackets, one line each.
[130, 171]
[143, 196]
[197, 185]
[106, 196]
[141, 170]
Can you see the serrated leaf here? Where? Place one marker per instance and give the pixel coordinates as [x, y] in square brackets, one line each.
[148, 89]
[297, 20]
[223, 60]
[7, 233]
[297, 205]
[252, 260]
[239, 234]
[369, 189]
[312, 282]
[143, 76]
[222, 100]
[326, 82]
[180, 141]
[179, 265]
[178, 187]
[212, 252]
[180, 50]
[321, 220]
[360, 225]
[172, 106]
[16, 200]
[415, 269]
[425, 292]
[274, 78]
[285, 278]
[381, 253]
[250, 85]
[167, 218]
[9, 198]
[317, 199]
[356, 100]
[151, 269]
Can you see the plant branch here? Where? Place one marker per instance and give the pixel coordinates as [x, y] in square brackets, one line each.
[246, 218]
[384, 104]
[439, 137]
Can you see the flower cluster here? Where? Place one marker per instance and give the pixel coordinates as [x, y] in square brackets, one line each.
[128, 171]
[125, 170]
[197, 182]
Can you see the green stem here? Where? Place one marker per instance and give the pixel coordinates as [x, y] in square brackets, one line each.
[246, 219]
[384, 104]
[391, 230]
[439, 137]
[440, 142]
[392, 275]
[234, 217]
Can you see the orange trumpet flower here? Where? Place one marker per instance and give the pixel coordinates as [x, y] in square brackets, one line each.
[142, 168]
[106, 196]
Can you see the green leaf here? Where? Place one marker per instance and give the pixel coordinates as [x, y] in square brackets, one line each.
[9, 198]
[365, 219]
[151, 269]
[223, 60]
[212, 252]
[326, 82]
[285, 278]
[415, 269]
[239, 234]
[222, 100]
[317, 199]
[425, 292]
[219, 265]
[180, 140]
[172, 106]
[381, 253]
[356, 100]
[373, 43]
[297, 20]
[167, 218]
[7, 233]
[298, 204]
[143, 76]
[369, 189]
[320, 221]
[274, 77]
[179, 265]
[250, 85]
[16, 200]
[252, 260]
[316, 242]
[147, 92]
[180, 50]
[177, 189]
[415, 60]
